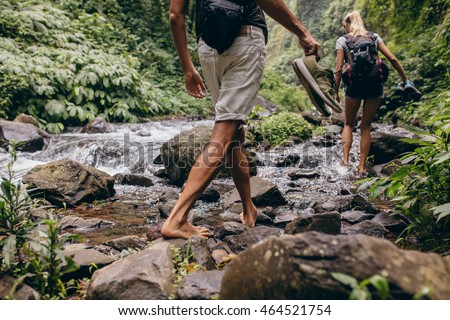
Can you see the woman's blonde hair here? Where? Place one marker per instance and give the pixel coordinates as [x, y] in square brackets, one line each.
[355, 24]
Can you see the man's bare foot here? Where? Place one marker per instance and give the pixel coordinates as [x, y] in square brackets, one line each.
[184, 231]
[249, 219]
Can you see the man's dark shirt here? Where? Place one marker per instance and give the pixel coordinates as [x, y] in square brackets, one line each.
[254, 16]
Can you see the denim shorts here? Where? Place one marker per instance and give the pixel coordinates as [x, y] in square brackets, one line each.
[234, 77]
[362, 91]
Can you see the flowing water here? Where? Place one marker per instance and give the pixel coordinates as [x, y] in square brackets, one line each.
[132, 148]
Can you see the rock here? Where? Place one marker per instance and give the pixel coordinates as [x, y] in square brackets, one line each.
[169, 195]
[387, 146]
[23, 291]
[230, 228]
[84, 257]
[334, 129]
[81, 224]
[25, 118]
[69, 182]
[211, 218]
[161, 173]
[340, 204]
[389, 168]
[144, 133]
[200, 285]
[393, 223]
[158, 160]
[303, 173]
[311, 118]
[133, 179]
[355, 216]
[300, 267]
[328, 222]
[288, 161]
[98, 125]
[166, 208]
[30, 138]
[198, 247]
[250, 237]
[367, 227]
[126, 243]
[338, 118]
[283, 218]
[154, 232]
[268, 107]
[210, 195]
[180, 153]
[219, 255]
[146, 275]
[361, 203]
[264, 193]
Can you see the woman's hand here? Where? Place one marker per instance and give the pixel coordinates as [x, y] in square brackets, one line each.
[194, 84]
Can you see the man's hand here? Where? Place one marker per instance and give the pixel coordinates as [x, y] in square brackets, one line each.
[194, 84]
[310, 46]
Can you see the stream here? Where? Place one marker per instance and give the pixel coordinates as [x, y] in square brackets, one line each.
[132, 148]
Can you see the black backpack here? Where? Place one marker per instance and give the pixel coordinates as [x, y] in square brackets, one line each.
[220, 22]
[363, 63]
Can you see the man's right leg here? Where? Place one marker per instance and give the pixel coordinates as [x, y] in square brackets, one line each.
[238, 163]
[202, 173]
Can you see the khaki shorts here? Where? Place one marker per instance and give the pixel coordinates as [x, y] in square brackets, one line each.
[234, 77]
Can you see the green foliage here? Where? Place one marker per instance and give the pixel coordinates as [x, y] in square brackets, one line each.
[278, 128]
[38, 259]
[420, 187]
[361, 290]
[15, 221]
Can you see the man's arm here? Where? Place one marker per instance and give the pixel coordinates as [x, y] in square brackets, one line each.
[193, 80]
[278, 10]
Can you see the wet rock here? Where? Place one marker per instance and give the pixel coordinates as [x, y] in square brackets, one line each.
[230, 228]
[126, 243]
[219, 255]
[23, 291]
[154, 232]
[338, 118]
[288, 161]
[264, 193]
[301, 267]
[161, 173]
[284, 217]
[69, 182]
[81, 224]
[158, 160]
[133, 179]
[85, 256]
[236, 208]
[31, 139]
[25, 118]
[180, 153]
[250, 237]
[98, 125]
[261, 218]
[200, 285]
[333, 129]
[393, 223]
[210, 195]
[367, 227]
[303, 174]
[311, 118]
[355, 216]
[340, 204]
[169, 195]
[144, 133]
[389, 168]
[146, 275]
[361, 203]
[328, 222]
[211, 218]
[166, 208]
[387, 146]
[198, 247]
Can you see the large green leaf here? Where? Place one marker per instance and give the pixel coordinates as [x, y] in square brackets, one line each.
[9, 249]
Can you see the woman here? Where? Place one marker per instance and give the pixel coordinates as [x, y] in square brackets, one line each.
[370, 93]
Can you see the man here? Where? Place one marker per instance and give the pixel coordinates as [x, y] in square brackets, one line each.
[233, 79]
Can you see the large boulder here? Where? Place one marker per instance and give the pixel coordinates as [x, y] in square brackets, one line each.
[264, 193]
[146, 275]
[29, 137]
[180, 153]
[301, 267]
[98, 125]
[389, 145]
[70, 182]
